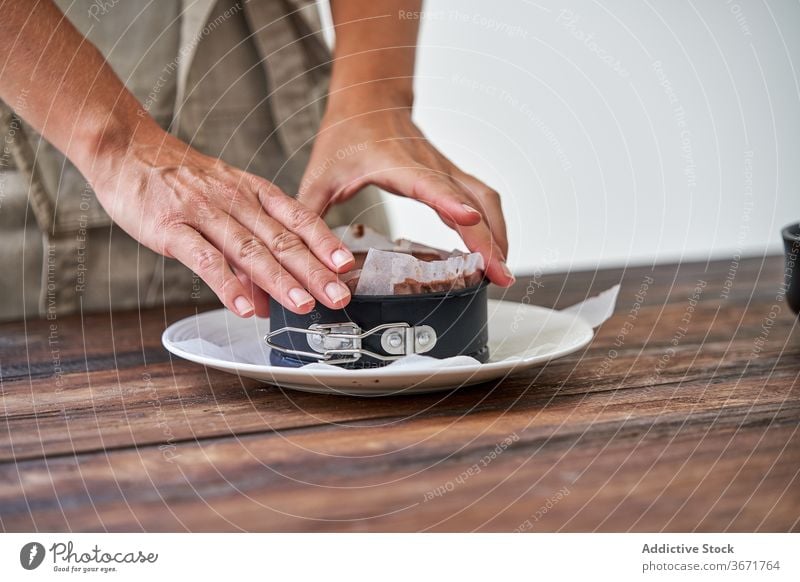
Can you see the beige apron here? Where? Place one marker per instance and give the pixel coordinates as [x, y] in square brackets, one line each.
[243, 81]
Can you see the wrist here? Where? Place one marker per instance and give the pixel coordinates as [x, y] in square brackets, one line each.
[370, 96]
[104, 145]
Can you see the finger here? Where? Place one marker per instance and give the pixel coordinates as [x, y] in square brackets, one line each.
[259, 296]
[489, 205]
[300, 220]
[279, 262]
[476, 234]
[479, 239]
[435, 190]
[194, 251]
[250, 254]
[293, 254]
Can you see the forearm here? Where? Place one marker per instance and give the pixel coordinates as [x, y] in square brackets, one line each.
[60, 83]
[374, 52]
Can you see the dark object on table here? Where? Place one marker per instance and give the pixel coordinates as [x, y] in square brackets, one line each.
[374, 330]
[791, 243]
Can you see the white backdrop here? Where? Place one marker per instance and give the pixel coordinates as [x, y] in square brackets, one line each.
[617, 132]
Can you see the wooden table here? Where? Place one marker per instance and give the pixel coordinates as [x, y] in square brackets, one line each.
[682, 414]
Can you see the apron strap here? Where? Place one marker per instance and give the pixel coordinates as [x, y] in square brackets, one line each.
[296, 96]
[60, 263]
[25, 161]
[194, 16]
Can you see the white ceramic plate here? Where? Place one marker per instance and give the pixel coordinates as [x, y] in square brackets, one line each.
[520, 336]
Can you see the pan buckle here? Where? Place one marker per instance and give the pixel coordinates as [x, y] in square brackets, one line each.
[340, 343]
[408, 339]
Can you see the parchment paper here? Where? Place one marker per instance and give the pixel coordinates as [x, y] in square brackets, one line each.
[390, 268]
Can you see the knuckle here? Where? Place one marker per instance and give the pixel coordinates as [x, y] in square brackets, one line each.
[205, 260]
[226, 190]
[236, 197]
[430, 186]
[491, 196]
[199, 202]
[299, 217]
[228, 286]
[287, 242]
[319, 274]
[268, 194]
[250, 247]
[278, 279]
[203, 210]
[169, 221]
[222, 197]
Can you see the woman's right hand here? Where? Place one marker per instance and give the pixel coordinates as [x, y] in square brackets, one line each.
[240, 233]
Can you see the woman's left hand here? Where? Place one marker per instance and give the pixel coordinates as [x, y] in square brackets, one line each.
[382, 146]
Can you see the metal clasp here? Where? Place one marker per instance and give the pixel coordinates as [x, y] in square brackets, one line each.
[329, 340]
[405, 339]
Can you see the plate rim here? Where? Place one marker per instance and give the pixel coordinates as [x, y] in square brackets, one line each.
[299, 373]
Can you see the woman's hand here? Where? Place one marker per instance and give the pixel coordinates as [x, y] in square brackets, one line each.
[363, 143]
[238, 232]
[241, 234]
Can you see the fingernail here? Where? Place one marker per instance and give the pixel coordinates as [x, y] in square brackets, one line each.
[507, 272]
[341, 257]
[469, 208]
[300, 297]
[336, 291]
[243, 306]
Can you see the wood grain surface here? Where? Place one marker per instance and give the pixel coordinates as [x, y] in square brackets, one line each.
[682, 414]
